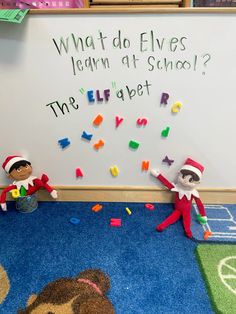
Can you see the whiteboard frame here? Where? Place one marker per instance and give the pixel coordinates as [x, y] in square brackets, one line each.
[195, 10]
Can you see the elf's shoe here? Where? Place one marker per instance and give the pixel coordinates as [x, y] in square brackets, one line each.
[159, 228]
[189, 234]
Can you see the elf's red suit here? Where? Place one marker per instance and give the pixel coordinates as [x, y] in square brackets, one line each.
[182, 205]
[20, 170]
[32, 185]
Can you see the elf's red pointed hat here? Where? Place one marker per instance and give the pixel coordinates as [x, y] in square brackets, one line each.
[193, 166]
[10, 161]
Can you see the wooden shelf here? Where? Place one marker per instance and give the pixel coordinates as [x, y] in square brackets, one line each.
[145, 3]
[136, 10]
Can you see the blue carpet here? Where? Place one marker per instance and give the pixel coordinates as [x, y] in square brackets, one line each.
[150, 272]
[221, 223]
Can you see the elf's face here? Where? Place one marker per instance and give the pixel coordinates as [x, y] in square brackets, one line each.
[187, 181]
[22, 173]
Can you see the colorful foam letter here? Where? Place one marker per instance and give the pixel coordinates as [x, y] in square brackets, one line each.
[99, 144]
[167, 160]
[64, 142]
[87, 136]
[207, 234]
[74, 220]
[164, 98]
[176, 107]
[114, 171]
[23, 191]
[145, 165]
[133, 144]
[142, 121]
[128, 210]
[79, 173]
[115, 222]
[98, 120]
[96, 208]
[15, 193]
[118, 121]
[106, 94]
[165, 132]
[99, 98]
[150, 206]
[90, 96]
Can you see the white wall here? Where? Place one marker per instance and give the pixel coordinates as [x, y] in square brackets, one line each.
[33, 74]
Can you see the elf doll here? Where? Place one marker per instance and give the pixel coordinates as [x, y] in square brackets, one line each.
[20, 170]
[188, 177]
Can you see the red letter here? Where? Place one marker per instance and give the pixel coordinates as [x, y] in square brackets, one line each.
[118, 121]
[142, 121]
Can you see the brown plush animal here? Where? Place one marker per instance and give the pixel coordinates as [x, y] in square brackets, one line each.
[84, 294]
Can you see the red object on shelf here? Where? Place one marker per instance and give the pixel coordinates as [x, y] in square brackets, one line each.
[45, 4]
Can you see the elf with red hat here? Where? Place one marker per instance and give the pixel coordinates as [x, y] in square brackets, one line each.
[188, 177]
[20, 170]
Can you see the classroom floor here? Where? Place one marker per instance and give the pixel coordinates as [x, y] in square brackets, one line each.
[150, 272]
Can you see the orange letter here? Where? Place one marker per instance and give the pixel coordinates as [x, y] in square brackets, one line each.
[145, 165]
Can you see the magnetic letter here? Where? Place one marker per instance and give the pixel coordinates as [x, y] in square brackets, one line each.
[118, 121]
[133, 144]
[90, 96]
[99, 144]
[142, 121]
[114, 171]
[99, 98]
[107, 94]
[98, 120]
[64, 142]
[176, 107]
[86, 136]
[145, 165]
[78, 172]
[164, 98]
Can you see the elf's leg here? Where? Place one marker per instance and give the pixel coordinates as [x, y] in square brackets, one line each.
[169, 220]
[187, 223]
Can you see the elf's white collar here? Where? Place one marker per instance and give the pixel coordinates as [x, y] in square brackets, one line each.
[25, 183]
[183, 192]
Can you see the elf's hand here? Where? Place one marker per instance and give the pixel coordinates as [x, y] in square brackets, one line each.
[155, 172]
[4, 207]
[53, 194]
[202, 219]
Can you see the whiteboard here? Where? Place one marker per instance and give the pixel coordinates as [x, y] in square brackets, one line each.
[51, 60]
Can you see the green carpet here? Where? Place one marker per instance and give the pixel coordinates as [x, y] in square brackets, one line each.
[218, 266]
